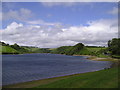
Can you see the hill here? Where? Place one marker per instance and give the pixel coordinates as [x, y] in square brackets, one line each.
[16, 49]
[112, 50]
[8, 50]
[36, 49]
[80, 49]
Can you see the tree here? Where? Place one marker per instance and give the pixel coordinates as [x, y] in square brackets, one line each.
[114, 46]
[15, 46]
[79, 46]
[2, 43]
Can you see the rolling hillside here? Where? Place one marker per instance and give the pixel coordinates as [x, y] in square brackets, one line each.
[80, 49]
[8, 50]
[16, 49]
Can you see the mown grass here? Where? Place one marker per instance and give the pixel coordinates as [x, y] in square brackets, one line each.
[100, 79]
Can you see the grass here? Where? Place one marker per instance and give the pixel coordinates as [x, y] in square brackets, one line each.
[116, 56]
[36, 83]
[84, 51]
[95, 49]
[32, 49]
[107, 78]
[99, 79]
[7, 49]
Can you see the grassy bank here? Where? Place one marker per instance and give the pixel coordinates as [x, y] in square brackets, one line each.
[7, 50]
[99, 79]
[107, 78]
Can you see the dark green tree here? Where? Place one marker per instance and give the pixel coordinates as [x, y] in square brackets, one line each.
[2, 43]
[15, 46]
[114, 46]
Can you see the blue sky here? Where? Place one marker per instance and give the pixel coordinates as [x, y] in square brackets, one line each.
[76, 14]
[54, 16]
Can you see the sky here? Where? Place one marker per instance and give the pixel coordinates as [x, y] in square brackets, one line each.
[55, 24]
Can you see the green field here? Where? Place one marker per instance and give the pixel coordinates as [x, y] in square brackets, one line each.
[21, 50]
[8, 50]
[80, 49]
[31, 49]
[100, 79]
[95, 49]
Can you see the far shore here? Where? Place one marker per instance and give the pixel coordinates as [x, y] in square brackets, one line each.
[115, 62]
[89, 57]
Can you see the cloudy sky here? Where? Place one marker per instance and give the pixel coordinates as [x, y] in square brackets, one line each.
[52, 24]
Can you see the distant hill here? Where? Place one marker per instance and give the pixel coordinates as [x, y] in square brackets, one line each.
[36, 49]
[8, 50]
[16, 49]
[80, 49]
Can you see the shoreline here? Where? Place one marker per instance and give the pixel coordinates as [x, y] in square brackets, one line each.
[28, 83]
[115, 62]
[16, 85]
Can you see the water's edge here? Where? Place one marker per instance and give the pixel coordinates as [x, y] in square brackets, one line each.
[63, 75]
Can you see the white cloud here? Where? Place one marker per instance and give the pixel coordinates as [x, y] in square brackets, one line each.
[114, 11]
[22, 14]
[13, 26]
[97, 33]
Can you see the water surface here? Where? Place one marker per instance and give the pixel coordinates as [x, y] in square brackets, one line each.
[28, 67]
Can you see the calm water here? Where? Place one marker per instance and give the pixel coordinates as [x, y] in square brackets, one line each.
[27, 67]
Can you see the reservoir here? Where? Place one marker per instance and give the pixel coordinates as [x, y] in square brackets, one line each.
[28, 67]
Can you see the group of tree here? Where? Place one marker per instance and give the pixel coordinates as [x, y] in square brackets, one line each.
[114, 46]
[3, 44]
